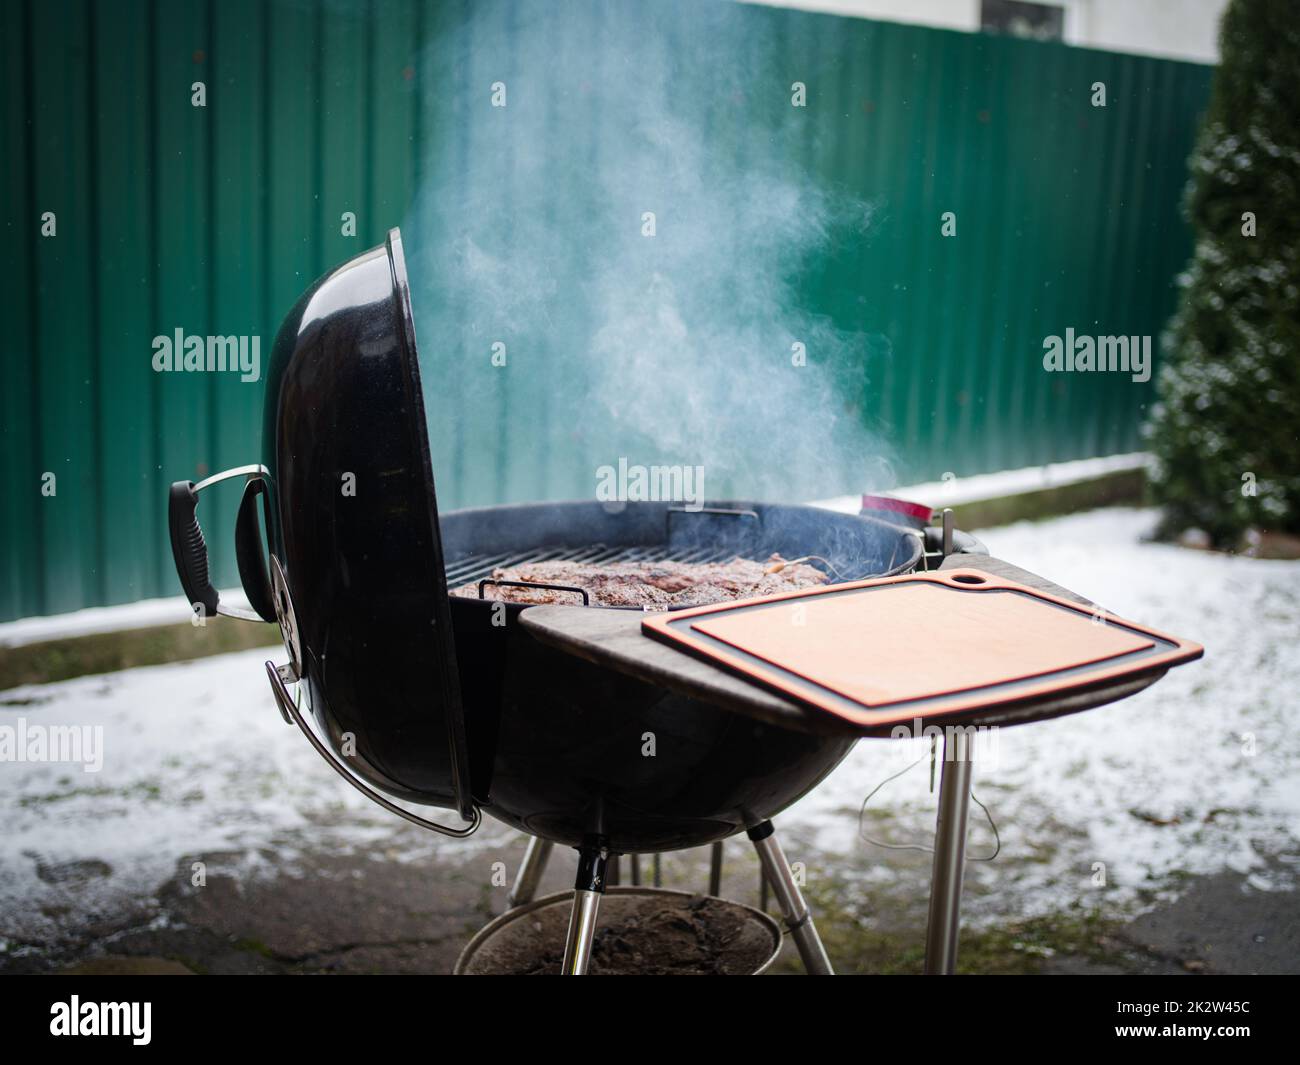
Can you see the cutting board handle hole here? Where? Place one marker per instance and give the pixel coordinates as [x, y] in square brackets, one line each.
[968, 578]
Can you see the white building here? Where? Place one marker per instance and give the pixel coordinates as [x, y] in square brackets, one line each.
[1172, 29]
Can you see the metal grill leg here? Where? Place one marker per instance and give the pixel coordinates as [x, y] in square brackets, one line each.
[530, 871]
[949, 856]
[587, 890]
[715, 870]
[798, 920]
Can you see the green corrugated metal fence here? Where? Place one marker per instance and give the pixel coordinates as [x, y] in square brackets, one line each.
[214, 219]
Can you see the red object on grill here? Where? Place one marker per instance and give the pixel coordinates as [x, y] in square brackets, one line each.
[917, 515]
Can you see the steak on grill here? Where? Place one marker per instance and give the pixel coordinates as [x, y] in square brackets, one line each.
[649, 585]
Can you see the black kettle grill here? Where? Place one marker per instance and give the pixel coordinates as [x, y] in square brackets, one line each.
[450, 702]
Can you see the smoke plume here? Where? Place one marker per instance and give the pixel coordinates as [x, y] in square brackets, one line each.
[636, 234]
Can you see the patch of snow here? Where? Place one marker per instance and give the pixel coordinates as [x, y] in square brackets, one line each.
[958, 490]
[146, 613]
[196, 760]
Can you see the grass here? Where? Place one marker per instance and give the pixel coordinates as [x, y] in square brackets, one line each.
[860, 945]
[108, 652]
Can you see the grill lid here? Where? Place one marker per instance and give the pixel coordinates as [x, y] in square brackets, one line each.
[355, 532]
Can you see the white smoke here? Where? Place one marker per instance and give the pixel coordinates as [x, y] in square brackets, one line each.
[530, 231]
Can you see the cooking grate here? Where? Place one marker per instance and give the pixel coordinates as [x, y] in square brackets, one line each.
[476, 567]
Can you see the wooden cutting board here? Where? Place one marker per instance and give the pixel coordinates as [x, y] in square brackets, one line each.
[899, 648]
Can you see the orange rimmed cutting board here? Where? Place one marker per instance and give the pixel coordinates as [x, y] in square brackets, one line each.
[948, 641]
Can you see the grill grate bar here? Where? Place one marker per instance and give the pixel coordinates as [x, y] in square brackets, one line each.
[473, 568]
[457, 572]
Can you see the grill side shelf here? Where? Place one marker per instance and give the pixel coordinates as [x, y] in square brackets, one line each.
[614, 639]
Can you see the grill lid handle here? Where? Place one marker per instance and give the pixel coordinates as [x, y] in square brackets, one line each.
[249, 552]
[190, 549]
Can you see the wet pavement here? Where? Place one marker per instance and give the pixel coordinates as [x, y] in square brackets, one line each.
[367, 913]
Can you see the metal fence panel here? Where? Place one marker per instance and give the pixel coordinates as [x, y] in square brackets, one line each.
[214, 219]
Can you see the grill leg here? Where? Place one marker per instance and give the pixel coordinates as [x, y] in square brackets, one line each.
[715, 870]
[587, 890]
[949, 856]
[776, 871]
[530, 871]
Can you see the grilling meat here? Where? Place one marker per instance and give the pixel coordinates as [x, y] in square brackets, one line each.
[649, 585]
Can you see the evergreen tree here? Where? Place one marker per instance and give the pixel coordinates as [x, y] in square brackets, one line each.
[1226, 432]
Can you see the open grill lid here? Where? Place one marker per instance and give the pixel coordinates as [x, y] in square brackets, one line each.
[354, 530]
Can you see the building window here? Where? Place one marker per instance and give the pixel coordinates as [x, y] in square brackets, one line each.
[1020, 18]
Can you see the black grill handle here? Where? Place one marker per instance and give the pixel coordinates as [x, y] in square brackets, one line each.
[713, 512]
[726, 512]
[189, 549]
[249, 552]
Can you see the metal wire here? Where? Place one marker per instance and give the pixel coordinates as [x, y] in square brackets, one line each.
[997, 838]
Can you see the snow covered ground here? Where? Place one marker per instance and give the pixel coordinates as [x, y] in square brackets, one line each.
[1195, 775]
